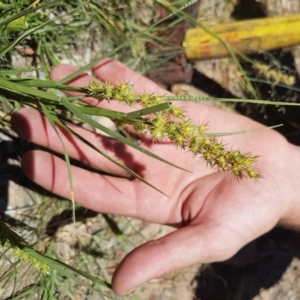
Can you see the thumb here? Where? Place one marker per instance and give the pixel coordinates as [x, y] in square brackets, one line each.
[181, 248]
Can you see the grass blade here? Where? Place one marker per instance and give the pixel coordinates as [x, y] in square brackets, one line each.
[209, 99]
[52, 119]
[112, 133]
[63, 268]
[113, 160]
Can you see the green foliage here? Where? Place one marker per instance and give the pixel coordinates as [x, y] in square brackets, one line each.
[45, 32]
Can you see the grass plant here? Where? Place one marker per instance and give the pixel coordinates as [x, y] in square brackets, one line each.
[44, 33]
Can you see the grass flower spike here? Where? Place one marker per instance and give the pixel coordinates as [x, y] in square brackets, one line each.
[38, 265]
[174, 125]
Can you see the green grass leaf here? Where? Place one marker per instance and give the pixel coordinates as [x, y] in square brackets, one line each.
[63, 268]
[112, 133]
[233, 100]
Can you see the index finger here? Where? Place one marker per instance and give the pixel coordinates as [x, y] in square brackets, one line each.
[114, 72]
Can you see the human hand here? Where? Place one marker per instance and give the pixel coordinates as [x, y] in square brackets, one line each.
[214, 213]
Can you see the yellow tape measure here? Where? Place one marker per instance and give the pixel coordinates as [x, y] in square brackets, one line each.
[245, 36]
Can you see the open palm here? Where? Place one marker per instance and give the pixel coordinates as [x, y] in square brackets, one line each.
[215, 213]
